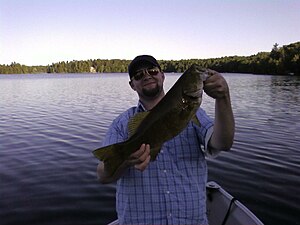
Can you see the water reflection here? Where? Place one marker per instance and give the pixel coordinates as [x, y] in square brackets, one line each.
[50, 123]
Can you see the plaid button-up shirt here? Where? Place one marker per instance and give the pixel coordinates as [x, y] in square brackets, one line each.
[171, 190]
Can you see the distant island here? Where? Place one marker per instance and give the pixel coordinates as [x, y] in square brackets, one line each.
[283, 60]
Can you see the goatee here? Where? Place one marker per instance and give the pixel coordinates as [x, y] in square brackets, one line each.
[151, 92]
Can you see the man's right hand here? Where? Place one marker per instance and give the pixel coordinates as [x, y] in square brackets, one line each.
[141, 158]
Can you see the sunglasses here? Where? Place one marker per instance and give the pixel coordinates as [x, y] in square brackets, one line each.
[140, 74]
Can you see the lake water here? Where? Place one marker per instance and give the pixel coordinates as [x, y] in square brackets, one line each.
[50, 123]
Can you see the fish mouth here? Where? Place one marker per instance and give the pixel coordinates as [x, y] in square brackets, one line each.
[193, 94]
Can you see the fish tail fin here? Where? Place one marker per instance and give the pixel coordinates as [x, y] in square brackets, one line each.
[111, 156]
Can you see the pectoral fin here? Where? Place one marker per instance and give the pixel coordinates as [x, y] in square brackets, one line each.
[196, 120]
[154, 152]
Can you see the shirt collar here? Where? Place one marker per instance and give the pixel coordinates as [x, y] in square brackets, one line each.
[140, 107]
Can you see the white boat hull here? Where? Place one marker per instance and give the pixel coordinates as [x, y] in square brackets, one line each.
[223, 209]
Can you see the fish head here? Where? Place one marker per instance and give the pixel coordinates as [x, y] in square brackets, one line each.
[192, 88]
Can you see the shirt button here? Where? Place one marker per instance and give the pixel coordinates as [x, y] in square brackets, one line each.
[168, 192]
[170, 214]
[161, 151]
[165, 171]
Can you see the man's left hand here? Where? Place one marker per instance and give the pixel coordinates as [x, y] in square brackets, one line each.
[216, 86]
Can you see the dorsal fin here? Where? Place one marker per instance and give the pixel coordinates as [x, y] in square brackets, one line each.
[135, 122]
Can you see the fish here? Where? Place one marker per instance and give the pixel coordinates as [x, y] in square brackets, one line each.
[163, 122]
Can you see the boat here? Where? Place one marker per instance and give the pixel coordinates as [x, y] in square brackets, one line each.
[224, 209]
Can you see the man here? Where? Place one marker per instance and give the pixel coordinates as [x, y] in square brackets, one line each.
[171, 189]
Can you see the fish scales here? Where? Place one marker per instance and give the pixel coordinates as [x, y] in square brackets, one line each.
[165, 121]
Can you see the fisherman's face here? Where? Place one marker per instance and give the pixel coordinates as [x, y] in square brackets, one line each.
[148, 81]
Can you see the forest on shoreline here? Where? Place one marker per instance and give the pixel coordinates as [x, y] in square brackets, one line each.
[283, 60]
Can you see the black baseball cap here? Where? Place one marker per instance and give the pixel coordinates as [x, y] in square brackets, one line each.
[141, 60]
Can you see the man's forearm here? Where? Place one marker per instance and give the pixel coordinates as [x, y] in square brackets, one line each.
[222, 138]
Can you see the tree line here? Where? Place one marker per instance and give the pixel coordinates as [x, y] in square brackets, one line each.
[283, 60]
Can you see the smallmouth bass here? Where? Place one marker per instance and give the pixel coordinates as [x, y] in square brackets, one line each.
[165, 121]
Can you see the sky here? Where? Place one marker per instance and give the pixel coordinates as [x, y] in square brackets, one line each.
[42, 32]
